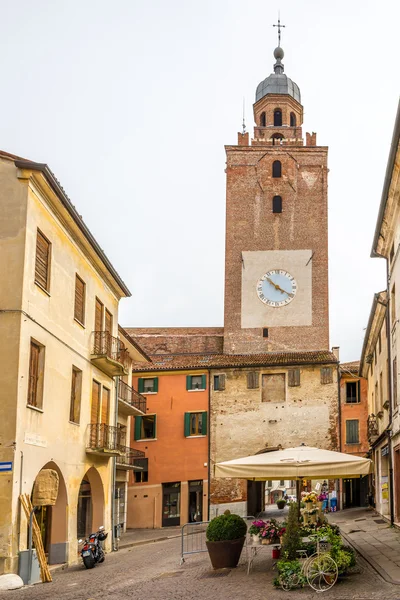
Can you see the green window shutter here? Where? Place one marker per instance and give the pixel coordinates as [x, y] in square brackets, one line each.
[204, 424]
[188, 382]
[138, 427]
[155, 424]
[204, 382]
[155, 388]
[140, 385]
[187, 424]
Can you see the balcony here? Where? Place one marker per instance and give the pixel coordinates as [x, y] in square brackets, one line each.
[372, 428]
[130, 402]
[127, 458]
[109, 354]
[105, 440]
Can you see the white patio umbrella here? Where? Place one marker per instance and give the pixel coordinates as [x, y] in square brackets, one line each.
[295, 463]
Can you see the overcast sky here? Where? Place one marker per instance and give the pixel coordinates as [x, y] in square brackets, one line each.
[130, 103]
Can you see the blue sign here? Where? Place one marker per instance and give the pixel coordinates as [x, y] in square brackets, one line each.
[5, 467]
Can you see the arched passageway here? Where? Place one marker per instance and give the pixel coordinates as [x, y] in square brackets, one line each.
[90, 513]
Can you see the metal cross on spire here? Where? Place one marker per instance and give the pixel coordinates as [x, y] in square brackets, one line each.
[278, 25]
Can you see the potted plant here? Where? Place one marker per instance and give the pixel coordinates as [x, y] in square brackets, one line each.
[320, 500]
[310, 499]
[312, 513]
[225, 538]
[281, 503]
[270, 532]
[255, 530]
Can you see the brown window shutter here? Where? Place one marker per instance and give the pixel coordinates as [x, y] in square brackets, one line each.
[94, 412]
[105, 405]
[252, 380]
[79, 309]
[221, 382]
[33, 374]
[108, 322]
[326, 375]
[294, 377]
[42, 263]
[98, 319]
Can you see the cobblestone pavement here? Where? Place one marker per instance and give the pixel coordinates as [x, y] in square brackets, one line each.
[153, 572]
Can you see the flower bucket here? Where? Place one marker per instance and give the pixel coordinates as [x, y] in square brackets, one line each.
[276, 553]
[309, 505]
[265, 541]
[256, 540]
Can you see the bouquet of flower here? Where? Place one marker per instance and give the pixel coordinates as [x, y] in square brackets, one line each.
[310, 497]
[312, 511]
[281, 531]
[256, 527]
[322, 497]
[270, 531]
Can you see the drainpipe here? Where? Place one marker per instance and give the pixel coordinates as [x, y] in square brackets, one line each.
[389, 427]
[114, 472]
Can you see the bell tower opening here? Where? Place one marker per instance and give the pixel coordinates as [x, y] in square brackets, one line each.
[277, 117]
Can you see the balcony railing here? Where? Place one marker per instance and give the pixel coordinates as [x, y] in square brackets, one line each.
[131, 401]
[372, 428]
[128, 456]
[105, 439]
[110, 354]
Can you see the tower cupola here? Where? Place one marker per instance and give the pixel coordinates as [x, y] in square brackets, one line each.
[278, 82]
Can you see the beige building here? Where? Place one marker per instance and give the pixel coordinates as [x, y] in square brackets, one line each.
[64, 403]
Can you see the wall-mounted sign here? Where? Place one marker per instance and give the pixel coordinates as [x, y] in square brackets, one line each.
[385, 450]
[34, 439]
[5, 467]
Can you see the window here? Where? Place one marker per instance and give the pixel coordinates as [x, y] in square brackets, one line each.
[263, 119]
[395, 381]
[95, 406]
[282, 483]
[294, 377]
[352, 431]
[36, 374]
[98, 315]
[273, 388]
[145, 427]
[376, 408]
[277, 139]
[219, 383]
[105, 406]
[252, 380]
[375, 356]
[292, 120]
[380, 391]
[352, 392]
[277, 117]
[196, 382]
[76, 393]
[277, 204]
[108, 323]
[80, 296]
[277, 168]
[148, 385]
[393, 305]
[195, 424]
[143, 475]
[391, 256]
[380, 342]
[42, 262]
[326, 375]
[265, 332]
[269, 484]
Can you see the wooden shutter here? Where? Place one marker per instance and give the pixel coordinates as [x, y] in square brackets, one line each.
[394, 383]
[155, 384]
[140, 385]
[326, 375]
[188, 382]
[294, 377]
[138, 428]
[252, 380]
[98, 317]
[108, 325]
[204, 423]
[42, 263]
[204, 382]
[187, 424]
[33, 374]
[79, 310]
[105, 405]
[352, 431]
[76, 387]
[94, 413]
[221, 382]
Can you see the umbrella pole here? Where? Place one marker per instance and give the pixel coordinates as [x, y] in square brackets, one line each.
[298, 496]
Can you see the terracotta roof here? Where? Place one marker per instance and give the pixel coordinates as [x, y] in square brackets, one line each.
[178, 362]
[353, 366]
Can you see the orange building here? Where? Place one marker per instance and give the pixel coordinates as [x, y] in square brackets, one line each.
[172, 487]
[353, 429]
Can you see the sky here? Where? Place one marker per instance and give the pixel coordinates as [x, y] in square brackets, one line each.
[130, 104]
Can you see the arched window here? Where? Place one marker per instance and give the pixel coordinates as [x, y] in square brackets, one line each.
[277, 139]
[263, 119]
[277, 204]
[292, 120]
[277, 168]
[277, 117]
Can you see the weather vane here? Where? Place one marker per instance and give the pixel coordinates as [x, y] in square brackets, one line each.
[244, 122]
[278, 25]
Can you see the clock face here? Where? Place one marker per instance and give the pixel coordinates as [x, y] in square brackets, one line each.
[276, 288]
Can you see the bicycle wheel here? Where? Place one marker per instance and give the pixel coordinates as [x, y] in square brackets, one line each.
[322, 573]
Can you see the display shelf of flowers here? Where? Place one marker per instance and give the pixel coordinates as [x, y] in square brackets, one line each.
[313, 510]
[267, 532]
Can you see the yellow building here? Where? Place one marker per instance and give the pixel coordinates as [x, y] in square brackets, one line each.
[65, 403]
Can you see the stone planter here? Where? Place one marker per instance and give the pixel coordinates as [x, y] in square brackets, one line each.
[226, 554]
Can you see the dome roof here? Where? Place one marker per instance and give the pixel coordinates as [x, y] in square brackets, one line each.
[278, 82]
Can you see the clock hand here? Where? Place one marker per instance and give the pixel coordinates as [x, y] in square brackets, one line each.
[277, 287]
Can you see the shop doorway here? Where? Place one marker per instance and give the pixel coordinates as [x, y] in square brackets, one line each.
[90, 504]
[171, 513]
[255, 497]
[195, 501]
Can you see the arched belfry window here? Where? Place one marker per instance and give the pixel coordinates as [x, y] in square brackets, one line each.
[263, 120]
[277, 139]
[277, 117]
[277, 168]
[292, 120]
[277, 204]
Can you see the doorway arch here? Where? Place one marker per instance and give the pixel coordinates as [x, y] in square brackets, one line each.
[90, 513]
[53, 521]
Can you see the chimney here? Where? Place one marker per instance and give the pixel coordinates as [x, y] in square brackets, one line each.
[335, 350]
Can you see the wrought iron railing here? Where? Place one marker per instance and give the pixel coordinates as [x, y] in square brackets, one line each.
[131, 396]
[128, 456]
[372, 427]
[106, 344]
[106, 437]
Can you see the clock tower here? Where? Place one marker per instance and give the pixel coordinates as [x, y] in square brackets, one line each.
[276, 261]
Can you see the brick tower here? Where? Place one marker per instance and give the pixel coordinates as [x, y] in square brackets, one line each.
[276, 261]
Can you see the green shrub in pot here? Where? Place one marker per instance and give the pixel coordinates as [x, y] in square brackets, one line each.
[225, 538]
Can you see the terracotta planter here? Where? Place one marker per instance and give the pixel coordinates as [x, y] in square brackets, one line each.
[226, 554]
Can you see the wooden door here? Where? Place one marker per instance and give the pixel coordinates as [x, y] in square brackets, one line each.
[98, 317]
[105, 406]
[94, 413]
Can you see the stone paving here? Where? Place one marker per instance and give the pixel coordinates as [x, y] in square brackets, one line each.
[134, 537]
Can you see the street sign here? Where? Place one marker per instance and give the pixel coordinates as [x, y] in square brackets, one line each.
[5, 467]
